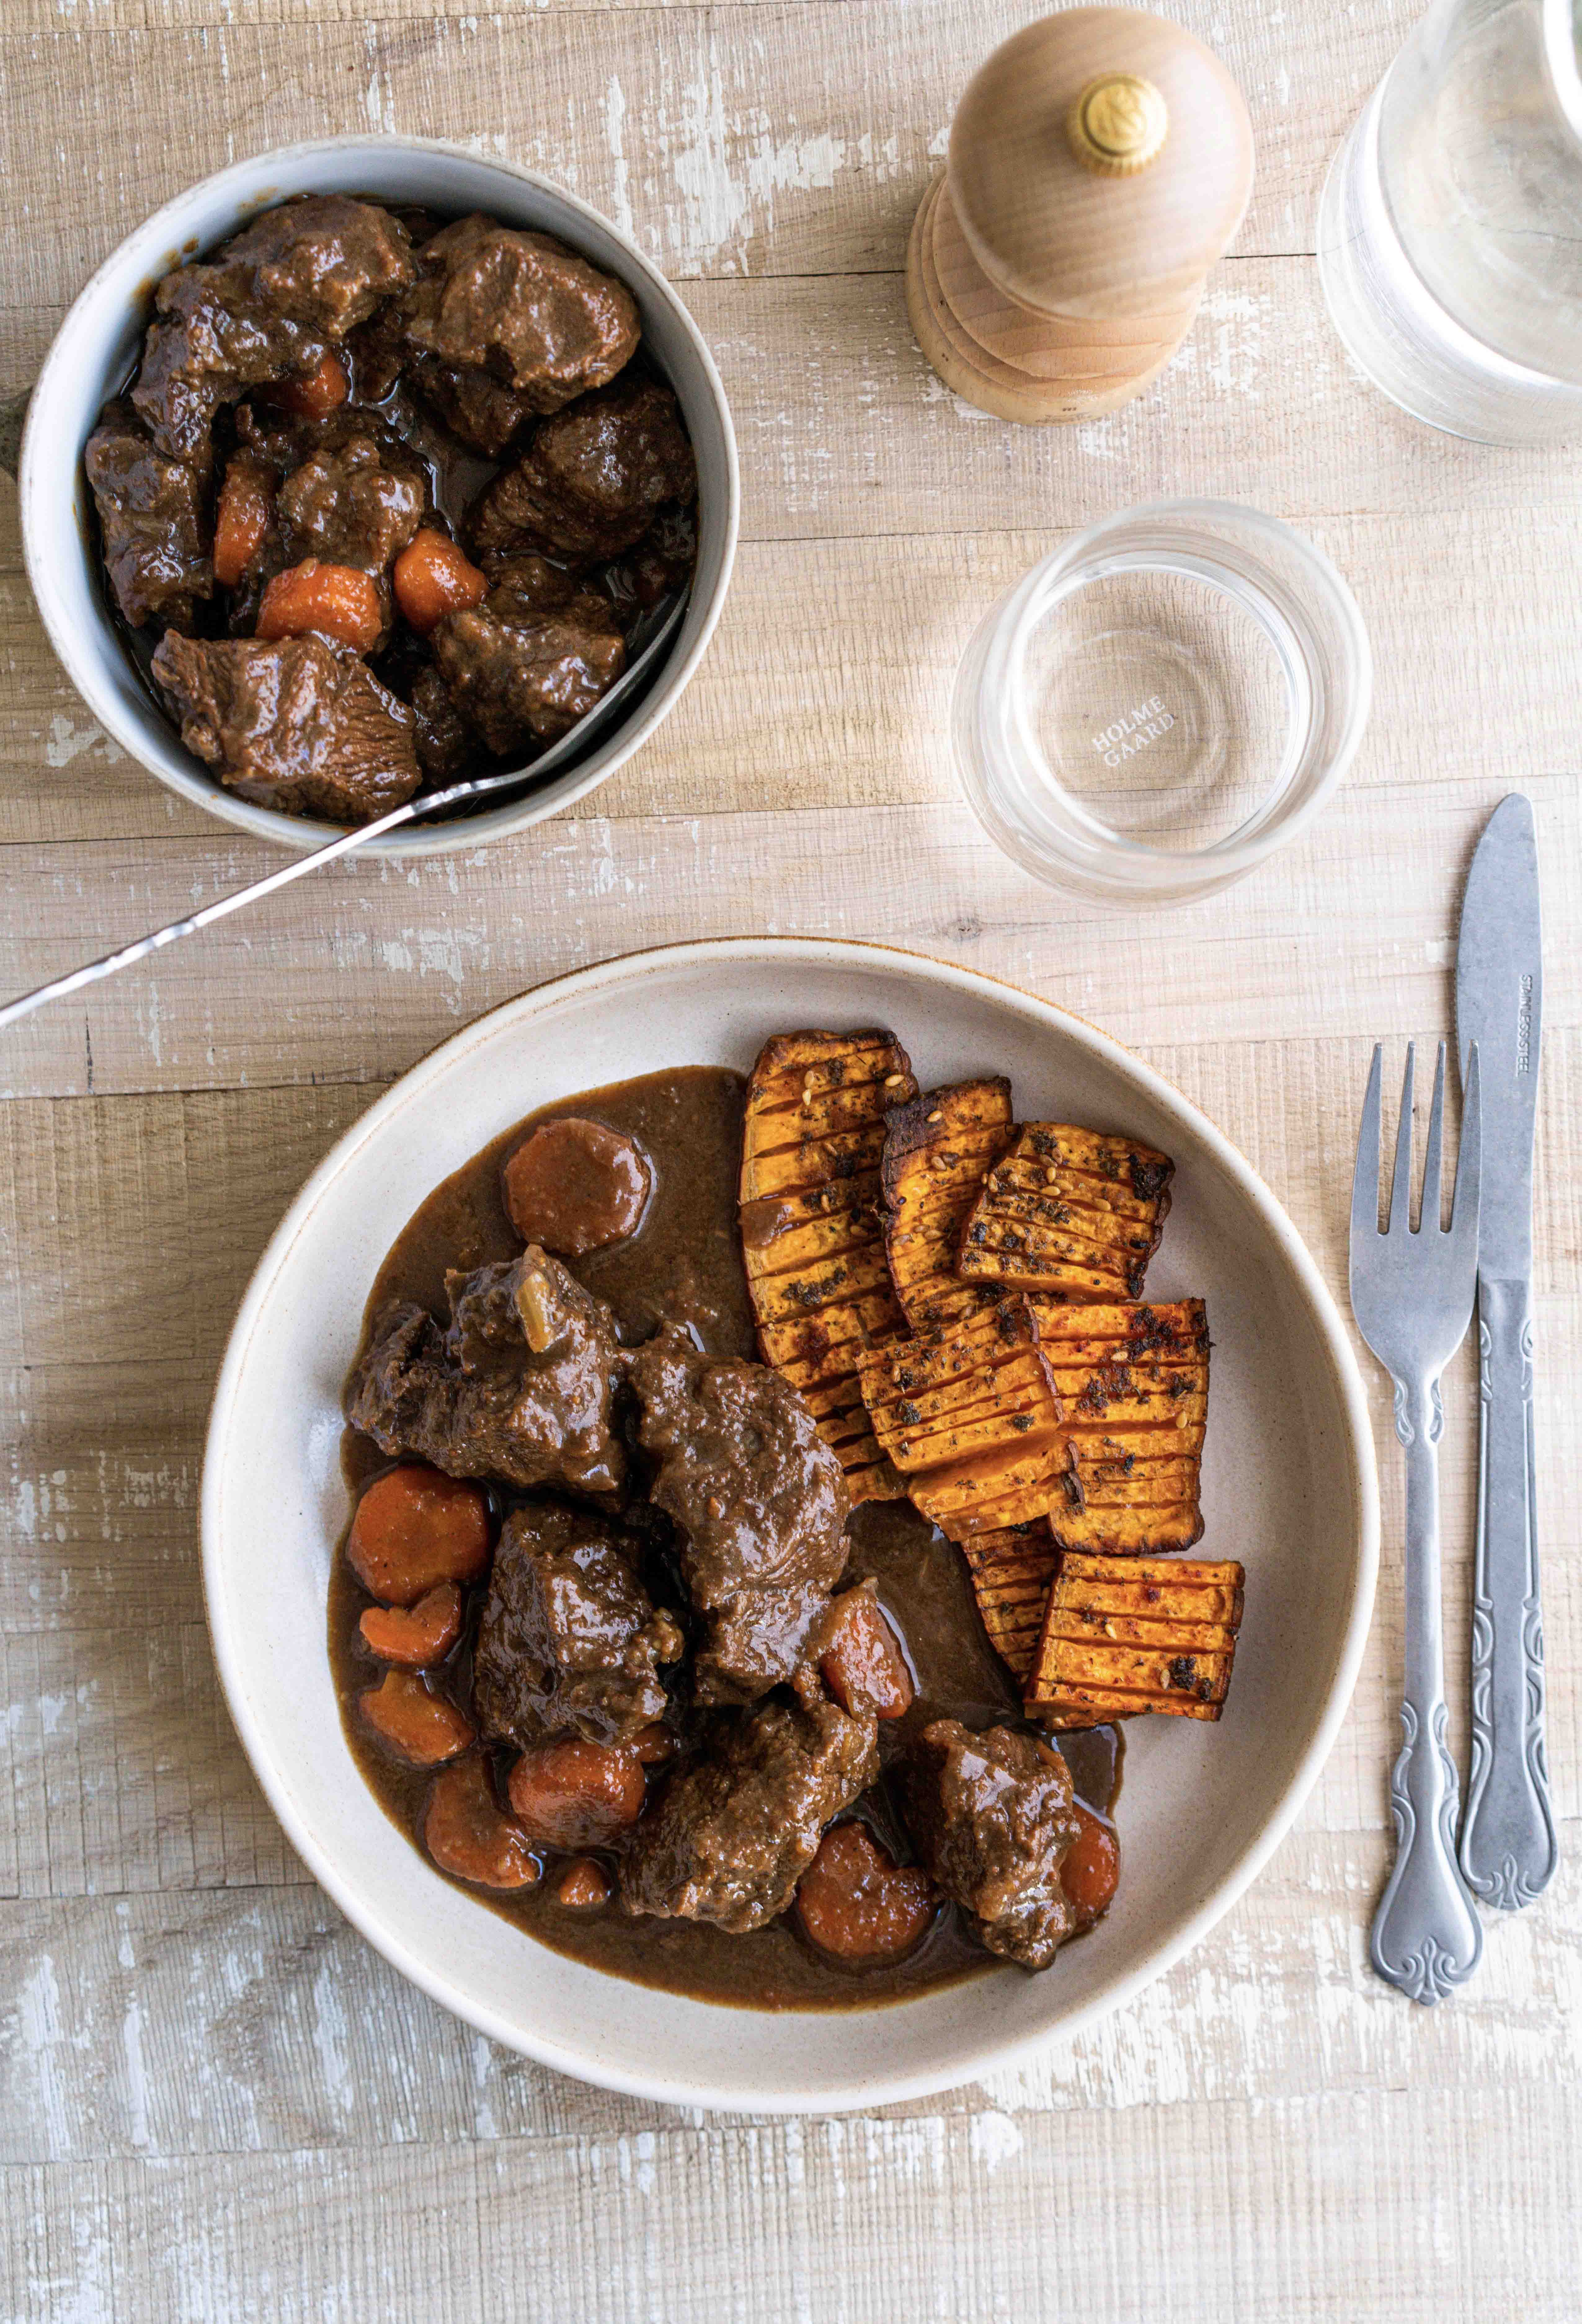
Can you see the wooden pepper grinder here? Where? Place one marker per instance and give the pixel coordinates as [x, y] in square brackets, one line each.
[1099, 163]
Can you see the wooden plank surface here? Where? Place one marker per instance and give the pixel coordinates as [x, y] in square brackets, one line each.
[215, 2099]
[730, 140]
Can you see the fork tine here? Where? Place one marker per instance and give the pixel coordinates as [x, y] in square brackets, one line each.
[1365, 1184]
[1469, 1163]
[1430, 1209]
[1401, 1184]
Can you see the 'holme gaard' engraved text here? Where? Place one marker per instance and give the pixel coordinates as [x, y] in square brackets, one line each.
[1142, 725]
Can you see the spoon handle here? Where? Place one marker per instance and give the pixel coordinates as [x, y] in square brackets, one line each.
[91, 971]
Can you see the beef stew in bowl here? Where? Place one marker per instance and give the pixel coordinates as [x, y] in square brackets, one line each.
[787, 1683]
[388, 502]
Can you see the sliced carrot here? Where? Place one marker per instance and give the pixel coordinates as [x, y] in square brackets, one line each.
[1091, 1871]
[860, 1658]
[434, 578]
[415, 1528]
[855, 1903]
[577, 1795]
[416, 1637]
[337, 601]
[315, 395]
[241, 518]
[583, 1886]
[423, 1728]
[466, 1833]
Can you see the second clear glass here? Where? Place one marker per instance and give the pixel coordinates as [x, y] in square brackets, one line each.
[1448, 240]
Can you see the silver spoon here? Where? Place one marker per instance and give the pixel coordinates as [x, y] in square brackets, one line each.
[428, 803]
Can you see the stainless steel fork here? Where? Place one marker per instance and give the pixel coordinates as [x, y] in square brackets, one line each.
[1411, 1293]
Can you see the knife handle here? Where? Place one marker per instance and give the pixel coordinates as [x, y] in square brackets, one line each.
[1508, 1846]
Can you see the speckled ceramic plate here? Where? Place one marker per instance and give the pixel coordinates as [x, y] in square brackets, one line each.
[1288, 1487]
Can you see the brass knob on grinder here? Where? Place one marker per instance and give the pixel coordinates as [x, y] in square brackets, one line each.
[1119, 124]
[1100, 162]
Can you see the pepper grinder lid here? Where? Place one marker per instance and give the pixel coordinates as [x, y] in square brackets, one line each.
[1099, 163]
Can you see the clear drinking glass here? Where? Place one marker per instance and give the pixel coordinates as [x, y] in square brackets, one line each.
[1159, 704]
[1448, 234]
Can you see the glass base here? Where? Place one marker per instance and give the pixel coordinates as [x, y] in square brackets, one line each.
[1403, 338]
[1159, 698]
[1162, 701]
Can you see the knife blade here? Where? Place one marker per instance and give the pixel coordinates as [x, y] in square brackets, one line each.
[1508, 1845]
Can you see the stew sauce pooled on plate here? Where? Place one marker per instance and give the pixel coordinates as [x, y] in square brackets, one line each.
[388, 503]
[768, 1499]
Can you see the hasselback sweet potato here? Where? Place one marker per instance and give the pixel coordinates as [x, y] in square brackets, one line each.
[1133, 1379]
[1011, 1569]
[1069, 1212]
[1126, 1635]
[968, 1413]
[812, 1239]
[939, 1148]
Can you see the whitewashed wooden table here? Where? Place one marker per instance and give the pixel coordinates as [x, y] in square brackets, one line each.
[215, 2102]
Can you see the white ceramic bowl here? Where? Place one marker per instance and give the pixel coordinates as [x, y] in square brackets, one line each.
[97, 344]
[1288, 1487]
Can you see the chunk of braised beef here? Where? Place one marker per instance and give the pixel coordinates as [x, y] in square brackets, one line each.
[448, 749]
[570, 1641]
[152, 520]
[593, 479]
[356, 499]
[325, 261]
[208, 342]
[523, 307]
[736, 1828]
[993, 1818]
[378, 354]
[522, 678]
[265, 308]
[760, 1502]
[534, 586]
[519, 1387]
[660, 563]
[297, 724]
[482, 410]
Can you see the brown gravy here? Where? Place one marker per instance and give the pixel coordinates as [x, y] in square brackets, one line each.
[684, 1263]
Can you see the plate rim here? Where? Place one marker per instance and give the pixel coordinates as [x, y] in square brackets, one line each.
[672, 2088]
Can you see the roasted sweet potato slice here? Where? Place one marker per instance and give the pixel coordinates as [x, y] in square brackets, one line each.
[968, 1411]
[980, 1385]
[1124, 1636]
[1011, 1569]
[991, 1490]
[1069, 1212]
[1133, 1379]
[939, 1148]
[811, 1236]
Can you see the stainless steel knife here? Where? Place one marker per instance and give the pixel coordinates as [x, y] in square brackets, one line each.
[1508, 1846]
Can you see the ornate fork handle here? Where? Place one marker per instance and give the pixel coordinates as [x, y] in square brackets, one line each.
[1426, 1937]
[1508, 1845]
